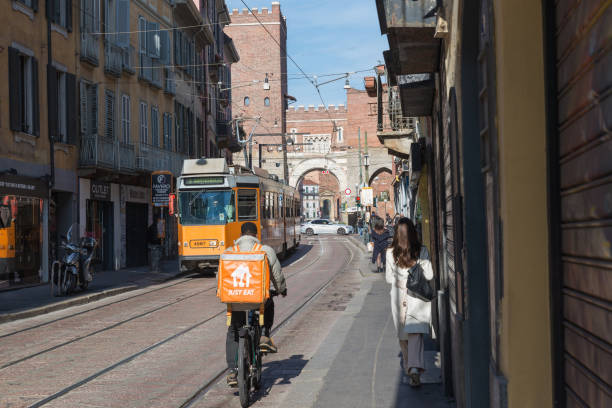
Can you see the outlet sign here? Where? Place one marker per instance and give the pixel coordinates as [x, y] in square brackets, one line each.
[161, 187]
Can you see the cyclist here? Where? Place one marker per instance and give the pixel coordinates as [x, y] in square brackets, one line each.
[246, 243]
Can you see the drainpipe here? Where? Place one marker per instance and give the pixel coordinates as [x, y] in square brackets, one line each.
[51, 140]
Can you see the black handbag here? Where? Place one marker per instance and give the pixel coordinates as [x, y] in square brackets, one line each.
[417, 285]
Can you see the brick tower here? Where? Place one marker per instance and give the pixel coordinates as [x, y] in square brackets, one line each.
[260, 57]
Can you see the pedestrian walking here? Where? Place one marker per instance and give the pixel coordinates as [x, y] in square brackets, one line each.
[379, 239]
[155, 234]
[360, 226]
[411, 315]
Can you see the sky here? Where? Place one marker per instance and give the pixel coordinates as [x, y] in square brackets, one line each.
[328, 37]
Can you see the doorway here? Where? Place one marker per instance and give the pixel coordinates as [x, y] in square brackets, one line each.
[136, 217]
[100, 226]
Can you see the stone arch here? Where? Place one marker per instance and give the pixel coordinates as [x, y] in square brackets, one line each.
[318, 163]
[381, 169]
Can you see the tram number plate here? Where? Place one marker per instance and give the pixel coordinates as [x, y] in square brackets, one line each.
[203, 243]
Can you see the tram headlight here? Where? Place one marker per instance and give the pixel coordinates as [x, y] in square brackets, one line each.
[221, 243]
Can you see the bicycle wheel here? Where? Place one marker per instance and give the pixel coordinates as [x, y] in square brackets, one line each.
[244, 368]
[258, 362]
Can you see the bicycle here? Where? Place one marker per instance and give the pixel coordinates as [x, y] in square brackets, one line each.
[249, 357]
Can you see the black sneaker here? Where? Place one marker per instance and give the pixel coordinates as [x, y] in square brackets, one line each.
[232, 378]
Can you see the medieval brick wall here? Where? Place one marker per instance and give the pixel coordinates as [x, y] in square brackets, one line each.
[260, 55]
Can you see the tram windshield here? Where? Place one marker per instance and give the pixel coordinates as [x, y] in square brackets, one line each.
[207, 207]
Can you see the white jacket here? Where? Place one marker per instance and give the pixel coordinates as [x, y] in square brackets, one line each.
[410, 314]
[247, 242]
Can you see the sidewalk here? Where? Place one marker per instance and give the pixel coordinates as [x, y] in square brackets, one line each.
[359, 365]
[36, 300]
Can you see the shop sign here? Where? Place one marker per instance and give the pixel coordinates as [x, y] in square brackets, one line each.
[100, 191]
[23, 186]
[161, 187]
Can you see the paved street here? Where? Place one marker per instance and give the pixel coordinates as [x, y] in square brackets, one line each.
[163, 346]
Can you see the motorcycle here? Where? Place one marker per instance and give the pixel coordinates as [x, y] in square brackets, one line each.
[74, 269]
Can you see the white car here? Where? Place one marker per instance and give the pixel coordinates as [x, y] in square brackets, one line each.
[325, 227]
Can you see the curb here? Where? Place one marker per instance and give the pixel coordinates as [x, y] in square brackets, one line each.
[24, 314]
[81, 300]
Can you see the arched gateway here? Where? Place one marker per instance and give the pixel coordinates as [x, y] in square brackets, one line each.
[298, 171]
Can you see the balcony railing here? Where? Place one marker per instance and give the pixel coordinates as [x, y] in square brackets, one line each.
[90, 48]
[151, 158]
[127, 156]
[170, 82]
[129, 59]
[156, 74]
[97, 151]
[145, 71]
[113, 59]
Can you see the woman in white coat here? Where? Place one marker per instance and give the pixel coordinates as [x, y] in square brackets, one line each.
[412, 316]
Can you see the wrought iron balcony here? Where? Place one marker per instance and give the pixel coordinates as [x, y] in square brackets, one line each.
[127, 156]
[170, 82]
[151, 158]
[129, 59]
[145, 72]
[113, 59]
[90, 48]
[157, 74]
[97, 151]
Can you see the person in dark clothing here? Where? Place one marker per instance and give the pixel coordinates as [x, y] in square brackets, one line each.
[154, 240]
[380, 238]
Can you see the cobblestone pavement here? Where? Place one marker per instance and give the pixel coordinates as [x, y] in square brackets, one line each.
[161, 346]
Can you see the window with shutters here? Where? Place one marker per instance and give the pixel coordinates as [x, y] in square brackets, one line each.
[62, 110]
[109, 114]
[125, 119]
[90, 26]
[168, 131]
[89, 109]
[340, 138]
[23, 92]
[155, 126]
[144, 126]
[60, 13]
[29, 3]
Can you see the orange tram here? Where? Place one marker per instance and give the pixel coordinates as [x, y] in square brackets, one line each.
[211, 202]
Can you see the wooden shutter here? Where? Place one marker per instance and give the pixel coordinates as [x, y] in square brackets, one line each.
[584, 166]
[109, 122]
[142, 35]
[52, 99]
[83, 107]
[123, 23]
[177, 47]
[92, 107]
[69, 15]
[165, 47]
[35, 101]
[14, 85]
[71, 120]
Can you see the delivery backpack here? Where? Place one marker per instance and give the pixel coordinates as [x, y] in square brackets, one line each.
[244, 277]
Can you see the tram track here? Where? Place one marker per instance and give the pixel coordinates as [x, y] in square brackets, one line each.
[187, 279]
[131, 319]
[202, 390]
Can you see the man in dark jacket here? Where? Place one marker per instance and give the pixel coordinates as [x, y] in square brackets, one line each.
[154, 240]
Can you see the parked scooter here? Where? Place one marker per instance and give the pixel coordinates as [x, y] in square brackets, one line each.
[75, 267]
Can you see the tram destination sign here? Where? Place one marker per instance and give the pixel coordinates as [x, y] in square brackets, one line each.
[161, 187]
[204, 181]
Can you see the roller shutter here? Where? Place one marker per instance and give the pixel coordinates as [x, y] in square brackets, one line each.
[584, 109]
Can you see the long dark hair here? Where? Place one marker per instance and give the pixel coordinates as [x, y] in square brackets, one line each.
[406, 244]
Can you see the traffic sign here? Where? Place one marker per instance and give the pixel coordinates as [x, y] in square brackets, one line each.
[367, 196]
[347, 191]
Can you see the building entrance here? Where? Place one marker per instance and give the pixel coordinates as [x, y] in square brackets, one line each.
[136, 217]
[99, 225]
